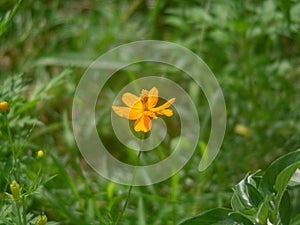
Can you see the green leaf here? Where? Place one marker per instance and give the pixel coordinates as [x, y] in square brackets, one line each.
[237, 204]
[6, 167]
[239, 219]
[4, 21]
[246, 197]
[141, 213]
[27, 106]
[5, 211]
[89, 211]
[263, 211]
[218, 216]
[295, 220]
[42, 91]
[269, 179]
[285, 209]
[64, 210]
[254, 195]
[283, 179]
[295, 12]
[276, 180]
[295, 180]
[63, 173]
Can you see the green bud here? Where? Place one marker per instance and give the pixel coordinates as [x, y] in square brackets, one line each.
[15, 190]
[42, 220]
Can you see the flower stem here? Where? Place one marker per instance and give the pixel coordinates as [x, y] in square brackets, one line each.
[24, 211]
[18, 212]
[131, 186]
[12, 147]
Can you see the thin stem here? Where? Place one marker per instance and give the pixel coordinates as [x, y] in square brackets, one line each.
[18, 212]
[24, 211]
[12, 147]
[131, 186]
[154, 16]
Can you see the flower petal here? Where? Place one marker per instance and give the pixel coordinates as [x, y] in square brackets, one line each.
[143, 124]
[135, 114]
[144, 93]
[164, 106]
[132, 100]
[166, 112]
[128, 113]
[150, 114]
[152, 98]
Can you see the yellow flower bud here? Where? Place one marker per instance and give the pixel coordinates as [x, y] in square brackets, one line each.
[42, 220]
[40, 154]
[4, 106]
[15, 190]
[242, 130]
[110, 190]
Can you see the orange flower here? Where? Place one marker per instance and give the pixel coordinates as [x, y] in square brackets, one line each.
[142, 108]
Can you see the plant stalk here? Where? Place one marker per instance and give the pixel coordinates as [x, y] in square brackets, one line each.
[131, 186]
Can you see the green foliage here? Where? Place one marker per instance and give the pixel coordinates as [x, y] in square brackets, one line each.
[251, 46]
[18, 155]
[218, 216]
[4, 21]
[258, 199]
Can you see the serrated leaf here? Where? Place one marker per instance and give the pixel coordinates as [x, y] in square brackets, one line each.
[27, 106]
[5, 211]
[8, 17]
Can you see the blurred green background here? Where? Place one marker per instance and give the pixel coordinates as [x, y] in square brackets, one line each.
[252, 47]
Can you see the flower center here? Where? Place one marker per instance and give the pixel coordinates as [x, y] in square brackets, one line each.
[144, 101]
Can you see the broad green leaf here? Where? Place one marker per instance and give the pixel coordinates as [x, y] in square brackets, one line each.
[240, 219]
[246, 198]
[263, 211]
[283, 179]
[275, 181]
[238, 205]
[254, 195]
[219, 216]
[282, 198]
[285, 209]
[269, 179]
[295, 180]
